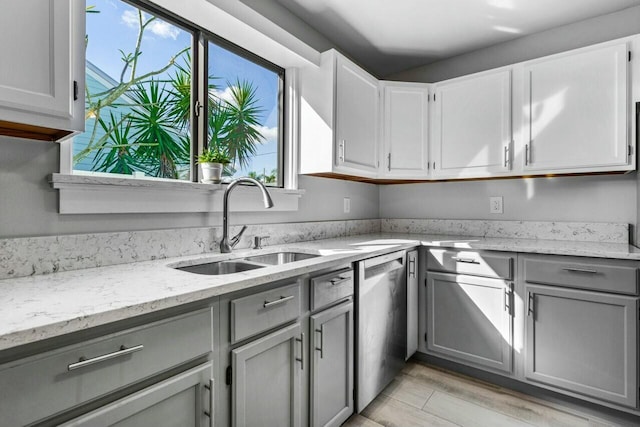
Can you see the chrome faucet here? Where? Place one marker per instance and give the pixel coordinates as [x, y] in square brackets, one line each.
[225, 245]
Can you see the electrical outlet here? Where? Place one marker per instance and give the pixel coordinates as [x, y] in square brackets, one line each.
[347, 205]
[495, 205]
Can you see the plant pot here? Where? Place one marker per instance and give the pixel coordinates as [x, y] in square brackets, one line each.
[211, 172]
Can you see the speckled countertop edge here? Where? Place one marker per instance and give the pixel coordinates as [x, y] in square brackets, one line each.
[41, 307]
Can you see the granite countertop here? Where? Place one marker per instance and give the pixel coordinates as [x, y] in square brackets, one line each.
[45, 306]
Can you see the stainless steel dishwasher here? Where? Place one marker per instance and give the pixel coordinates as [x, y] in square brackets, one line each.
[381, 324]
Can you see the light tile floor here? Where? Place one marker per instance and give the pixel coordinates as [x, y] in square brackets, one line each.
[427, 396]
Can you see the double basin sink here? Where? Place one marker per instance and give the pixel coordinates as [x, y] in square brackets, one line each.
[247, 263]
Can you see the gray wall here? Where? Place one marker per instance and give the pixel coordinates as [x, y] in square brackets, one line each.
[588, 198]
[590, 31]
[29, 206]
[594, 198]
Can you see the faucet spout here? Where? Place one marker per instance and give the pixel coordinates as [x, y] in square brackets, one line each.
[225, 245]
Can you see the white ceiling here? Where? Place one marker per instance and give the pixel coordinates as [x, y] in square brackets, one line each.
[387, 36]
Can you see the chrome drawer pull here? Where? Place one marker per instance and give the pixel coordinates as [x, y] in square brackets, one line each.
[580, 270]
[465, 260]
[278, 301]
[338, 280]
[122, 352]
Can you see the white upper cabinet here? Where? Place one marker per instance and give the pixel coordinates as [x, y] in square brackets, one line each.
[405, 130]
[576, 112]
[471, 133]
[42, 80]
[339, 118]
[357, 119]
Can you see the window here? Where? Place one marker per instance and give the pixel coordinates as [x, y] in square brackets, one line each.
[140, 67]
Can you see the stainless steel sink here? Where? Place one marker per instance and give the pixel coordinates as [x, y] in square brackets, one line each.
[279, 258]
[220, 267]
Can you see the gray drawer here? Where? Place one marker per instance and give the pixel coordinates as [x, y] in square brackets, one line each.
[331, 287]
[599, 274]
[488, 264]
[259, 312]
[43, 385]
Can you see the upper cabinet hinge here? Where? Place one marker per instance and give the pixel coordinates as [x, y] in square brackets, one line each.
[75, 90]
[434, 97]
[629, 150]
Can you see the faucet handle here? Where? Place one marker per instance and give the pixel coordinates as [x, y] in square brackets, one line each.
[257, 241]
[236, 239]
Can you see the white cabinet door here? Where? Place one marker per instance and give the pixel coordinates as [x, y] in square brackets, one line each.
[575, 111]
[405, 130]
[43, 42]
[472, 126]
[356, 127]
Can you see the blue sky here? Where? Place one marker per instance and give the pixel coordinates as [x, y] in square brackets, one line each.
[116, 27]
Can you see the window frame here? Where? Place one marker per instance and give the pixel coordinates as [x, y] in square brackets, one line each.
[287, 182]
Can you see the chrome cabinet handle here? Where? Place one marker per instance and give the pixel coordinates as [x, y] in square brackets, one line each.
[338, 280]
[580, 270]
[122, 352]
[301, 358]
[278, 301]
[389, 161]
[506, 156]
[321, 348]
[526, 154]
[211, 412]
[465, 260]
[530, 304]
[412, 271]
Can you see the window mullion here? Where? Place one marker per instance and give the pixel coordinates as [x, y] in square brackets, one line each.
[200, 112]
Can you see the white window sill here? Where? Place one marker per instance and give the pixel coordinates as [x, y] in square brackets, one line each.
[88, 194]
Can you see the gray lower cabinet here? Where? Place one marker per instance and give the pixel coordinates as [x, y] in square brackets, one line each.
[583, 342]
[266, 384]
[413, 305]
[332, 366]
[469, 319]
[184, 400]
[70, 377]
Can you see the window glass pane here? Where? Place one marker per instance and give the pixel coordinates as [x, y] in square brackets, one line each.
[244, 115]
[138, 78]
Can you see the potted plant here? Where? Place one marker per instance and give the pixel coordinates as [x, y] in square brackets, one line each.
[211, 163]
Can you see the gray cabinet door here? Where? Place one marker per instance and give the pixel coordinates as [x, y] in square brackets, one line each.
[583, 342]
[180, 401]
[412, 303]
[470, 319]
[266, 380]
[332, 366]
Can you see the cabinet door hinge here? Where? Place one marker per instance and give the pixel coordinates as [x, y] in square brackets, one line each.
[75, 90]
[629, 150]
[227, 376]
[425, 337]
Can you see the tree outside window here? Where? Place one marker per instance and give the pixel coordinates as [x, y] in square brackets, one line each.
[138, 100]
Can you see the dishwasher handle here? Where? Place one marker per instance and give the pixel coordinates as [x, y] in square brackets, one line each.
[384, 264]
